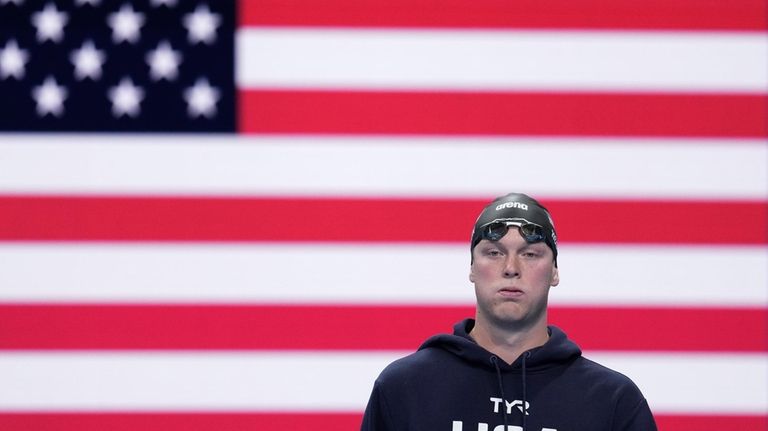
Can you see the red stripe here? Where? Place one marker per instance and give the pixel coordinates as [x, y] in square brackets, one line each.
[230, 421]
[295, 421]
[466, 113]
[587, 14]
[711, 423]
[363, 327]
[671, 329]
[104, 218]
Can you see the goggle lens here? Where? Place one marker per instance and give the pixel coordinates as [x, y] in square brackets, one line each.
[496, 230]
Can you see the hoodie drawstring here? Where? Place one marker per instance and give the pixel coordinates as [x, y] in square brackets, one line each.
[525, 395]
[495, 362]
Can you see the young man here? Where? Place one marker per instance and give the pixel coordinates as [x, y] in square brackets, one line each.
[506, 370]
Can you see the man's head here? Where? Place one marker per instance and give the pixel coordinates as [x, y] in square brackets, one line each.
[514, 252]
[515, 211]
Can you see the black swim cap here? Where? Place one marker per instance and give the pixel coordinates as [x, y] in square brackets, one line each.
[516, 206]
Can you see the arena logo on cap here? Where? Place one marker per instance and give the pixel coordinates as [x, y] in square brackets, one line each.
[512, 205]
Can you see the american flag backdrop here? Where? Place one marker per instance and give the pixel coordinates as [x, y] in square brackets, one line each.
[226, 216]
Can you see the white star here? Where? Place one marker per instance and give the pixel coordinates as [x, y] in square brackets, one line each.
[201, 99]
[125, 24]
[88, 61]
[158, 3]
[49, 23]
[201, 25]
[89, 2]
[50, 97]
[126, 98]
[12, 60]
[163, 62]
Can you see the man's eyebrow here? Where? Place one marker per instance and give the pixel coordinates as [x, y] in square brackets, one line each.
[530, 245]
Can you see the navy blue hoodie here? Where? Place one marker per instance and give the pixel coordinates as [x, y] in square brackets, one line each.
[453, 384]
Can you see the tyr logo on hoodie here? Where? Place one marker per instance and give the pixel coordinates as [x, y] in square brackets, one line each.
[497, 404]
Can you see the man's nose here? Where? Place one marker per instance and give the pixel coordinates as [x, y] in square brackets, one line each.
[511, 267]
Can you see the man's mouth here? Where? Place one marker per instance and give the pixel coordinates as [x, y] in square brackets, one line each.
[510, 291]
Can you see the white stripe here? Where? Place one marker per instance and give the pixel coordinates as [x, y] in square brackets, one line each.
[289, 381]
[363, 166]
[696, 383]
[398, 274]
[502, 60]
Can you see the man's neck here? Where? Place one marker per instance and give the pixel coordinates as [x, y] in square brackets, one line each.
[507, 344]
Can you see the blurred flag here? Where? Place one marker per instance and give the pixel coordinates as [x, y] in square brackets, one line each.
[220, 215]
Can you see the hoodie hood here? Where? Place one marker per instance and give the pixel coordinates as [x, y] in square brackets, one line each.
[558, 350]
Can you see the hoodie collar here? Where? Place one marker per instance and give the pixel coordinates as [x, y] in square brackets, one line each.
[558, 350]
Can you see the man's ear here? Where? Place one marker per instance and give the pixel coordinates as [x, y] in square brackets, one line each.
[471, 273]
[555, 276]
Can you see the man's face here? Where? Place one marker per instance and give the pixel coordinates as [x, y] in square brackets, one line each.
[512, 280]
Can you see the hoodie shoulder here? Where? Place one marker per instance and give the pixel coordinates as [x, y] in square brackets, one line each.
[628, 404]
[435, 353]
[600, 374]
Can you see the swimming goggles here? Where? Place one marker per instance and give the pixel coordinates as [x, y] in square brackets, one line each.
[496, 229]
